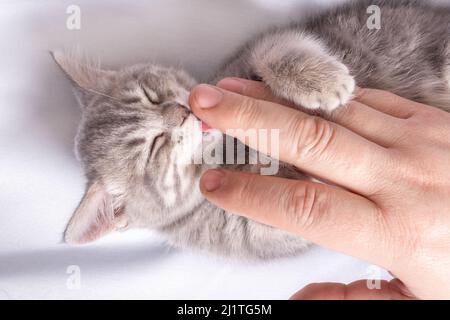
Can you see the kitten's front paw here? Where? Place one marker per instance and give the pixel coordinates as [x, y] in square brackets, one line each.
[334, 90]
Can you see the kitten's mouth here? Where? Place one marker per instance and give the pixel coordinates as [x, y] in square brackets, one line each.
[203, 125]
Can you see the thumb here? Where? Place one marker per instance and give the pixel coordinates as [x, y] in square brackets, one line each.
[358, 290]
[326, 215]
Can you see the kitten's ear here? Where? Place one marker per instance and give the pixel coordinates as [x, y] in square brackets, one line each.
[94, 217]
[84, 74]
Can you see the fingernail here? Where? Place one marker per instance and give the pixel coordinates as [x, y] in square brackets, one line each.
[207, 96]
[212, 180]
[231, 84]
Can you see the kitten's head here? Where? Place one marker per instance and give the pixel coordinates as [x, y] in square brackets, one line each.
[132, 144]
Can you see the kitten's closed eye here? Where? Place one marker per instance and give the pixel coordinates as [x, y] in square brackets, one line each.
[151, 95]
[157, 143]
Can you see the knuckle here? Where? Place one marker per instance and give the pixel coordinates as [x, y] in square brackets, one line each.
[413, 236]
[429, 124]
[310, 136]
[418, 174]
[303, 205]
[247, 114]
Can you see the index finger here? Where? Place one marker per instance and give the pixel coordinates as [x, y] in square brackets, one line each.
[319, 147]
[388, 102]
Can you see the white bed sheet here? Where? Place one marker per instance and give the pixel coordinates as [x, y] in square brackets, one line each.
[41, 182]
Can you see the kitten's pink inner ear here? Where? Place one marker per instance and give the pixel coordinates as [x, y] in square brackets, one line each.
[83, 72]
[94, 217]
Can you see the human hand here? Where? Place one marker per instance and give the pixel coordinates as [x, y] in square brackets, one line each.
[388, 160]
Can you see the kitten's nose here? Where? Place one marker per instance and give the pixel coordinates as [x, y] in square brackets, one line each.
[176, 114]
[182, 111]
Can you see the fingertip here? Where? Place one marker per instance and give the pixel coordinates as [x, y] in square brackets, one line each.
[320, 291]
[211, 180]
[205, 96]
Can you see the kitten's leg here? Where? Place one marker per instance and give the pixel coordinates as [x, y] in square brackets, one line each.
[296, 67]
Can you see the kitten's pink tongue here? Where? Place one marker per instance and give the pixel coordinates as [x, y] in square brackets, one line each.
[205, 127]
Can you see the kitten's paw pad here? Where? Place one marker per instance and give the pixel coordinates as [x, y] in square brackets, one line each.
[339, 94]
[330, 94]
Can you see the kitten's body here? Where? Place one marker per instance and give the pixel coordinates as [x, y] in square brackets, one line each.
[313, 64]
[409, 55]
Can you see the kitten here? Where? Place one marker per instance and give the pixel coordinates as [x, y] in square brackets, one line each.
[130, 116]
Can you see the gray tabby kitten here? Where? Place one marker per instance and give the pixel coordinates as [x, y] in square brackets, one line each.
[131, 158]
